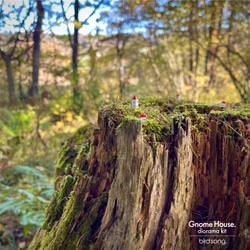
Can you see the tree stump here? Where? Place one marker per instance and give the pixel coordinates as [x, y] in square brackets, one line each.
[116, 190]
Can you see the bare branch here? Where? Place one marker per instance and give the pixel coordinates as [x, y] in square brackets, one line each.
[21, 54]
[237, 83]
[93, 12]
[238, 54]
[18, 33]
[15, 45]
[2, 53]
[66, 20]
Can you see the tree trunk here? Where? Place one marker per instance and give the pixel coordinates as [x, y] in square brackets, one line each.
[116, 189]
[121, 41]
[34, 89]
[213, 36]
[75, 52]
[194, 53]
[11, 83]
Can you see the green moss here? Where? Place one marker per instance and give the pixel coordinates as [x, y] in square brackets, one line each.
[152, 100]
[152, 125]
[82, 134]
[127, 120]
[65, 160]
[138, 110]
[86, 231]
[92, 247]
[51, 212]
[89, 150]
[104, 196]
[58, 201]
[138, 235]
[219, 112]
[62, 156]
[242, 113]
[72, 206]
[88, 226]
[74, 148]
[180, 108]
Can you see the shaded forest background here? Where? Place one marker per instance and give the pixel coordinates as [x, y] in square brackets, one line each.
[52, 84]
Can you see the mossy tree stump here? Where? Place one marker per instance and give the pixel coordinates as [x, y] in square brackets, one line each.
[132, 185]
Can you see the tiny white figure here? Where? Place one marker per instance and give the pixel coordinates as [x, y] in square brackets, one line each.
[93, 121]
[135, 102]
[223, 104]
[143, 117]
[178, 97]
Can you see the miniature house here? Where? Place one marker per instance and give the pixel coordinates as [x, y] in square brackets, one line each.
[143, 117]
[135, 102]
[223, 104]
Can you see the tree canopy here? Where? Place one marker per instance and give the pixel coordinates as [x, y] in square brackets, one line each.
[188, 47]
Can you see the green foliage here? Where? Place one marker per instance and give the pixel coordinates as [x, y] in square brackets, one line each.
[17, 123]
[152, 125]
[28, 198]
[33, 135]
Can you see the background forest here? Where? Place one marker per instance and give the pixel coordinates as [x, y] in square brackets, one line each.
[52, 82]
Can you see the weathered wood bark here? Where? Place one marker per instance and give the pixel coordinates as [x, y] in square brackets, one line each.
[116, 190]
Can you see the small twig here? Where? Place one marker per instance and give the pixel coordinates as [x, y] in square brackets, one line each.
[66, 20]
[230, 212]
[78, 243]
[234, 130]
[37, 130]
[144, 182]
[244, 139]
[192, 149]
